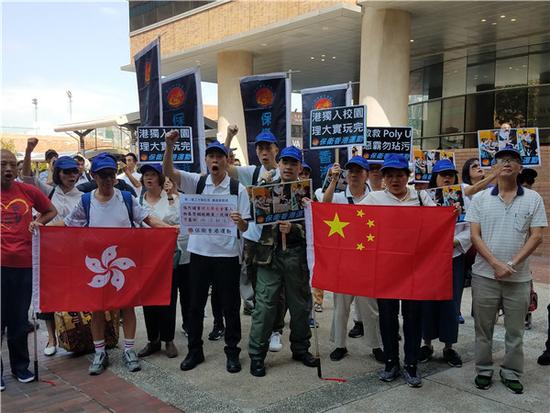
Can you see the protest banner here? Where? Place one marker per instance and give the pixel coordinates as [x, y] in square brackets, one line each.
[338, 127]
[151, 144]
[366, 250]
[449, 196]
[182, 106]
[324, 97]
[147, 63]
[523, 140]
[381, 141]
[425, 160]
[208, 214]
[266, 104]
[108, 268]
[280, 202]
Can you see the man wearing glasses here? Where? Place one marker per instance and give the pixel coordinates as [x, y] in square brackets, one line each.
[506, 228]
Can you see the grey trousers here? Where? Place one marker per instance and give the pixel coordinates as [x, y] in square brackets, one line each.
[368, 310]
[487, 295]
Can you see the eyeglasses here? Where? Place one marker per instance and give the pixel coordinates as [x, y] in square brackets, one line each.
[508, 160]
[105, 174]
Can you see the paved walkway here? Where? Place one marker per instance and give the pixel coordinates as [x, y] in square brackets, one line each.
[161, 387]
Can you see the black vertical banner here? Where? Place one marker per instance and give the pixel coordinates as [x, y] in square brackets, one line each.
[182, 106]
[321, 98]
[147, 63]
[266, 104]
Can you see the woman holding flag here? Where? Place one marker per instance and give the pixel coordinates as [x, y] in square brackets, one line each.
[64, 196]
[396, 174]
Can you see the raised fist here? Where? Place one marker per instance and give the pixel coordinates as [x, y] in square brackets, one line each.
[232, 130]
[31, 144]
[172, 137]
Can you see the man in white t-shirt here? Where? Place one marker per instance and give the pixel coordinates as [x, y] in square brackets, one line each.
[214, 258]
[109, 207]
[130, 175]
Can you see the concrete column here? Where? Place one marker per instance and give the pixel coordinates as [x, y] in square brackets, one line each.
[385, 62]
[231, 67]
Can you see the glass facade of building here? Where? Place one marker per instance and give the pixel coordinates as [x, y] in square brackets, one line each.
[450, 100]
[145, 13]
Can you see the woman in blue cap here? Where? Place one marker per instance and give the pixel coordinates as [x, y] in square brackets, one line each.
[160, 321]
[64, 197]
[440, 318]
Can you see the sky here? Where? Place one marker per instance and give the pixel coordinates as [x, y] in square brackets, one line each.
[51, 47]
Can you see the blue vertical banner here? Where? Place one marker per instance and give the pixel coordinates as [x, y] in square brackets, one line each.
[147, 64]
[182, 106]
[324, 97]
[266, 104]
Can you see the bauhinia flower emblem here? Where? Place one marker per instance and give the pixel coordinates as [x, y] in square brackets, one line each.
[110, 268]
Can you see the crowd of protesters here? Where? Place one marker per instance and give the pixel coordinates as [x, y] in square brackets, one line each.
[265, 267]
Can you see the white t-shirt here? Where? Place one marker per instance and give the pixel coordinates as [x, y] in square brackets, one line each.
[214, 245]
[385, 197]
[342, 197]
[136, 175]
[110, 214]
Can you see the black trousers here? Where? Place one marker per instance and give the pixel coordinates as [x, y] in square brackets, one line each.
[224, 274]
[388, 311]
[548, 340]
[16, 299]
[160, 320]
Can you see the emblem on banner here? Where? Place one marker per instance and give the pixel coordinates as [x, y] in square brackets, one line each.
[264, 96]
[176, 97]
[147, 74]
[109, 268]
[323, 102]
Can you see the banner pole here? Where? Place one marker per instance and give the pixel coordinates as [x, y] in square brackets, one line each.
[316, 337]
[35, 346]
[337, 155]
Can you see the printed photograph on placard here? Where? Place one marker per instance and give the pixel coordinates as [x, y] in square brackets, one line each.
[340, 185]
[523, 140]
[425, 160]
[449, 196]
[280, 202]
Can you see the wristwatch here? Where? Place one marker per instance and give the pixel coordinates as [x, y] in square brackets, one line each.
[511, 264]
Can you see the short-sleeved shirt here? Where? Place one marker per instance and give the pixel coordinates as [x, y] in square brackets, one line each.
[345, 196]
[124, 178]
[214, 245]
[110, 214]
[16, 215]
[385, 197]
[505, 228]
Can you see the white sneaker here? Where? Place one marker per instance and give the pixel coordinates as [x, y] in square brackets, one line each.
[50, 351]
[275, 343]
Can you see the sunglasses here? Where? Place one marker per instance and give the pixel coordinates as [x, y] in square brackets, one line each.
[105, 174]
[70, 171]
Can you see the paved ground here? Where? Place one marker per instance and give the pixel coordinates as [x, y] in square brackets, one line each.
[288, 386]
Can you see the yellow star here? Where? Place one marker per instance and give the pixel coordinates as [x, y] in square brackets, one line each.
[336, 226]
[370, 237]
[360, 247]
[360, 213]
[370, 223]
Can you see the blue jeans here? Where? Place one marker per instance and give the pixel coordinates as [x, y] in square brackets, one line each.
[16, 299]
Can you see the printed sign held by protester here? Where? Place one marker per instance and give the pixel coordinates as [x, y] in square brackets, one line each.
[382, 141]
[151, 144]
[425, 160]
[524, 140]
[208, 214]
[338, 127]
[280, 202]
[449, 196]
[340, 185]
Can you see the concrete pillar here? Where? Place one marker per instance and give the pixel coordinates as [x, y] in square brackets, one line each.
[231, 67]
[385, 63]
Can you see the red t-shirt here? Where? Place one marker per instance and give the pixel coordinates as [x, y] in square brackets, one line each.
[17, 204]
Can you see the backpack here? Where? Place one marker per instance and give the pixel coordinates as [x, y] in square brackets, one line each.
[126, 196]
[50, 195]
[256, 174]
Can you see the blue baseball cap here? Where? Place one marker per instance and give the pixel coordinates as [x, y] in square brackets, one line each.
[291, 152]
[395, 161]
[103, 161]
[502, 152]
[359, 161]
[306, 166]
[217, 146]
[66, 162]
[157, 167]
[444, 165]
[265, 136]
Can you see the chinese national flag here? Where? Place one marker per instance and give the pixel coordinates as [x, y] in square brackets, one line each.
[94, 269]
[382, 251]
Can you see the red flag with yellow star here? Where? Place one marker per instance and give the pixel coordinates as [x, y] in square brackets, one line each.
[381, 251]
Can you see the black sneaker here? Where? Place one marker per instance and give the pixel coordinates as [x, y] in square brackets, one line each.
[544, 358]
[378, 354]
[24, 376]
[411, 376]
[357, 330]
[338, 354]
[483, 382]
[216, 333]
[425, 354]
[452, 358]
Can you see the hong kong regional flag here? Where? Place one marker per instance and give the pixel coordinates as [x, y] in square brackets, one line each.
[381, 251]
[93, 269]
